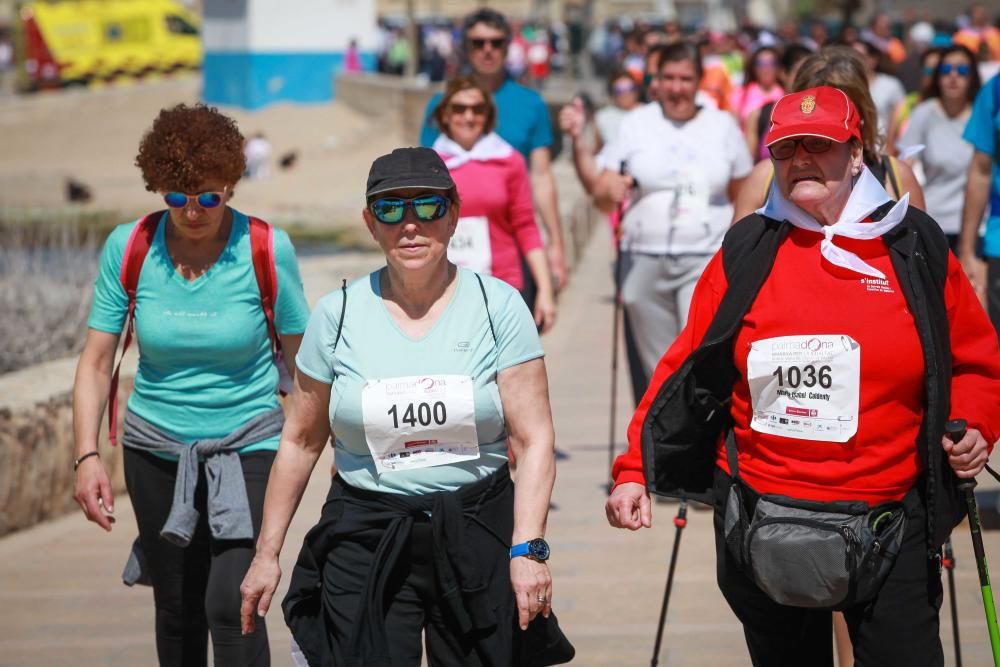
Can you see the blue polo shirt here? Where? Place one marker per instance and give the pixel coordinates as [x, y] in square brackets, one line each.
[522, 119]
[981, 132]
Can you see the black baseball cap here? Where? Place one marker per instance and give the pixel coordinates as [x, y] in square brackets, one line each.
[408, 168]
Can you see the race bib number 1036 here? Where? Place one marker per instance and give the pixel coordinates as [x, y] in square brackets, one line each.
[805, 387]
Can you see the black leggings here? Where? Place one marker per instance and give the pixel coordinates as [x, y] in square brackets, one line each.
[196, 589]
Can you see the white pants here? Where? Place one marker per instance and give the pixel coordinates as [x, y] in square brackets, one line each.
[656, 294]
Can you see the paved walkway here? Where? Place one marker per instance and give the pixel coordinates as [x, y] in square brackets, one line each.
[61, 602]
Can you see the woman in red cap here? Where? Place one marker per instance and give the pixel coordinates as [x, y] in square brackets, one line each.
[819, 437]
[840, 67]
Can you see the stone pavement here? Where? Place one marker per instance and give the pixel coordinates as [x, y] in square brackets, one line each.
[62, 603]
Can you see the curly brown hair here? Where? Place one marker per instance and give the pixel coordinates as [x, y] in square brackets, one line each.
[188, 145]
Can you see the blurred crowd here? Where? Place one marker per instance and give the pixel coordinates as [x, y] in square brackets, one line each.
[536, 49]
[744, 67]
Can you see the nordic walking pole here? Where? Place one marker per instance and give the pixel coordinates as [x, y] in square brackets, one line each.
[948, 563]
[955, 429]
[612, 425]
[680, 521]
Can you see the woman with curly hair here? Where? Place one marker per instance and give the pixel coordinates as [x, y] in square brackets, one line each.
[202, 424]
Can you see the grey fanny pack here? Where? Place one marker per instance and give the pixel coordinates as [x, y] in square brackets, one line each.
[818, 555]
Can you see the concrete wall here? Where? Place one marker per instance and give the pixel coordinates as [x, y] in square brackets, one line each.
[394, 99]
[36, 444]
[258, 52]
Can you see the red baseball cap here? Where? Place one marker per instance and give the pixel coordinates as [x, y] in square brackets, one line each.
[823, 111]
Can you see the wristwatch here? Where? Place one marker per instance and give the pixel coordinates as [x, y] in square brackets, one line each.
[536, 549]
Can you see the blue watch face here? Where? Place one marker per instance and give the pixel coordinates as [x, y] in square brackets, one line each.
[538, 549]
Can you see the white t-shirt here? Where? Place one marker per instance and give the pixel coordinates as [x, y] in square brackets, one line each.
[887, 92]
[945, 158]
[682, 169]
[608, 120]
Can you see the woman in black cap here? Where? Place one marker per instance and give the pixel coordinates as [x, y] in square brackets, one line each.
[427, 372]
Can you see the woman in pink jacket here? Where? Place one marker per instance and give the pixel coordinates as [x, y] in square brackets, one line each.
[497, 231]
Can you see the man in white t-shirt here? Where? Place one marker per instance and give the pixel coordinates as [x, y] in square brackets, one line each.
[684, 164]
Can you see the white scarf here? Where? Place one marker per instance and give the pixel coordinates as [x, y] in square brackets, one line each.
[490, 147]
[866, 196]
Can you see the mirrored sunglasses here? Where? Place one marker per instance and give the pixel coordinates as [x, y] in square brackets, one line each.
[948, 68]
[392, 210]
[204, 200]
[622, 88]
[786, 148]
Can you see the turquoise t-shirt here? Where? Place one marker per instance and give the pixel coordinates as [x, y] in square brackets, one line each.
[522, 119]
[372, 346]
[981, 131]
[205, 363]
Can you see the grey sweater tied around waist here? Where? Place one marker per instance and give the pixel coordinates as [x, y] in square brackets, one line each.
[228, 508]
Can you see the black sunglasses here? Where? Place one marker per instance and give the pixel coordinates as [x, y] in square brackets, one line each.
[496, 43]
[392, 210]
[786, 148]
[460, 109]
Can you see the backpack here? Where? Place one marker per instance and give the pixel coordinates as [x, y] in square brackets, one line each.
[262, 252]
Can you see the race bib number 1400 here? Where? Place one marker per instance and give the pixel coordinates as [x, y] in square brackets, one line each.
[420, 421]
[805, 387]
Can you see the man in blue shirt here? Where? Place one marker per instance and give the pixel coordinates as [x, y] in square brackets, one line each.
[522, 120]
[982, 187]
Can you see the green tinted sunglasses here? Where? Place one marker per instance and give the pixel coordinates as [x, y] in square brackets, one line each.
[392, 210]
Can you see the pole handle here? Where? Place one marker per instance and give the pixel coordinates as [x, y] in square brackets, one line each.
[955, 430]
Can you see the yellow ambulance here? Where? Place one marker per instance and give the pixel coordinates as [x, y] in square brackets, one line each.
[65, 42]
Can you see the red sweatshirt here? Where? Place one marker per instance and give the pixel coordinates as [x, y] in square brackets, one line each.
[500, 190]
[807, 295]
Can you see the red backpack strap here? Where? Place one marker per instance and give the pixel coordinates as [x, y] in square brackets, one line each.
[262, 251]
[139, 242]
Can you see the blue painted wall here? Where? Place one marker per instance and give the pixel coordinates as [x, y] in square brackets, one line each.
[255, 80]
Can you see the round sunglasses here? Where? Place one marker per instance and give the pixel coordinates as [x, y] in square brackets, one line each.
[786, 148]
[392, 210]
[204, 199]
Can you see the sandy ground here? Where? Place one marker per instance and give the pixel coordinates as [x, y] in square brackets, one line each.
[92, 137]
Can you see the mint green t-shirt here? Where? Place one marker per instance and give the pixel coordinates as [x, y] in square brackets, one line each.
[372, 346]
[205, 363]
